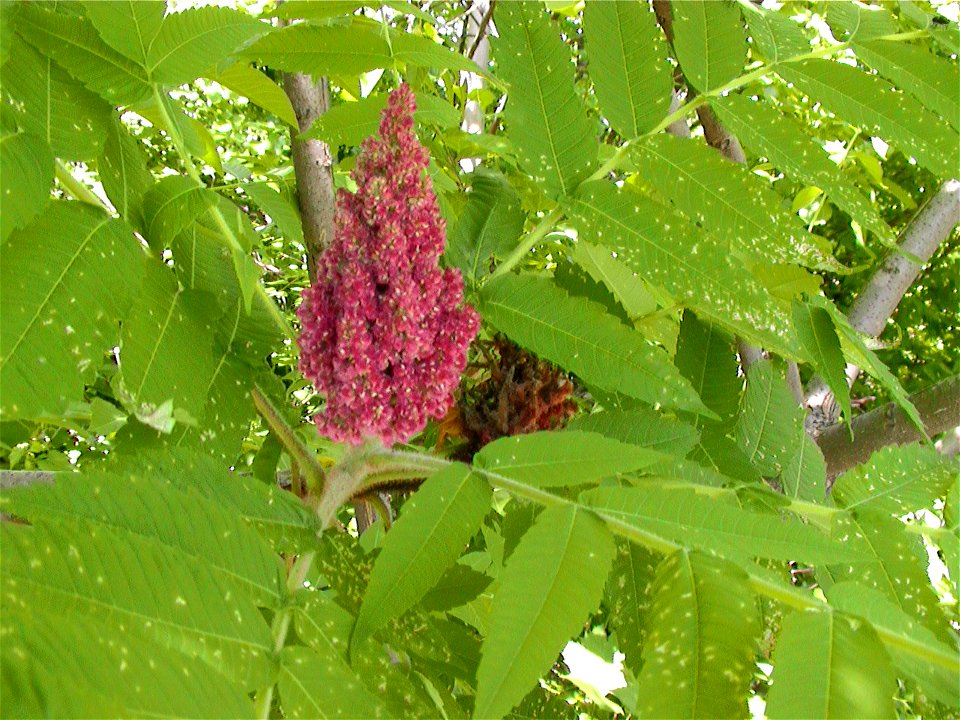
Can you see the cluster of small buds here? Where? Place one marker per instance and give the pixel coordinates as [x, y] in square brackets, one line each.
[385, 330]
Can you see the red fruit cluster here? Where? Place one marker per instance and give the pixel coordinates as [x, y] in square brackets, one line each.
[385, 330]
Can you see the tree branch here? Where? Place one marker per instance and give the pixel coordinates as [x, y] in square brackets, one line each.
[883, 292]
[312, 163]
[939, 408]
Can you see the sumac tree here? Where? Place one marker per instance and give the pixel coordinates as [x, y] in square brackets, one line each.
[684, 228]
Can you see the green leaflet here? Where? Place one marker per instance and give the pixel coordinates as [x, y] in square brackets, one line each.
[931, 79]
[350, 50]
[896, 480]
[166, 352]
[312, 687]
[45, 96]
[929, 662]
[852, 21]
[783, 142]
[430, 534]
[327, 684]
[141, 586]
[830, 665]
[819, 339]
[581, 337]
[729, 201]
[805, 475]
[627, 287]
[771, 421]
[721, 454]
[25, 181]
[180, 520]
[74, 43]
[128, 26]
[628, 64]
[670, 253]
[776, 36]
[870, 102]
[278, 516]
[706, 357]
[699, 650]
[709, 42]
[642, 427]
[343, 50]
[40, 679]
[254, 85]
[284, 214]
[897, 566]
[352, 123]
[557, 459]
[123, 171]
[627, 595]
[546, 121]
[193, 40]
[488, 227]
[65, 281]
[172, 205]
[857, 352]
[552, 581]
[683, 518]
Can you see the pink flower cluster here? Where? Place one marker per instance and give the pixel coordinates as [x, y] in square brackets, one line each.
[385, 330]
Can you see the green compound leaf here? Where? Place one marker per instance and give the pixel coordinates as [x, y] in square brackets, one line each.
[141, 586]
[699, 650]
[181, 520]
[193, 40]
[830, 665]
[628, 64]
[74, 43]
[556, 459]
[671, 253]
[783, 143]
[730, 202]
[430, 534]
[870, 102]
[54, 106]
[128, 26]
[25, 182]
[685, 519]
[488, 227]
[259, 89]
[915, 651]
[103, 675]
[351, 123]
[65, 282]
[551, 582]
[896, 481]
[546, 121]
[642, 427]
[124, 173]
[770, 421]
[580, 336]
[709, 42]
[819, 339]
[931, 79]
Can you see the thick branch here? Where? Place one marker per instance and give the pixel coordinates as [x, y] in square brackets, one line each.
[313, 164]
[939, 408]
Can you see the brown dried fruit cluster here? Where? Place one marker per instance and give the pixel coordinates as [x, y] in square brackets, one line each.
[521, 394]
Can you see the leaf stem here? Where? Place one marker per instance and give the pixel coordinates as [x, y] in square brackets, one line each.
[528, 242]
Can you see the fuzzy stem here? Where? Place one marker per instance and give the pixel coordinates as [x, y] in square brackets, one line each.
[306, 462]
